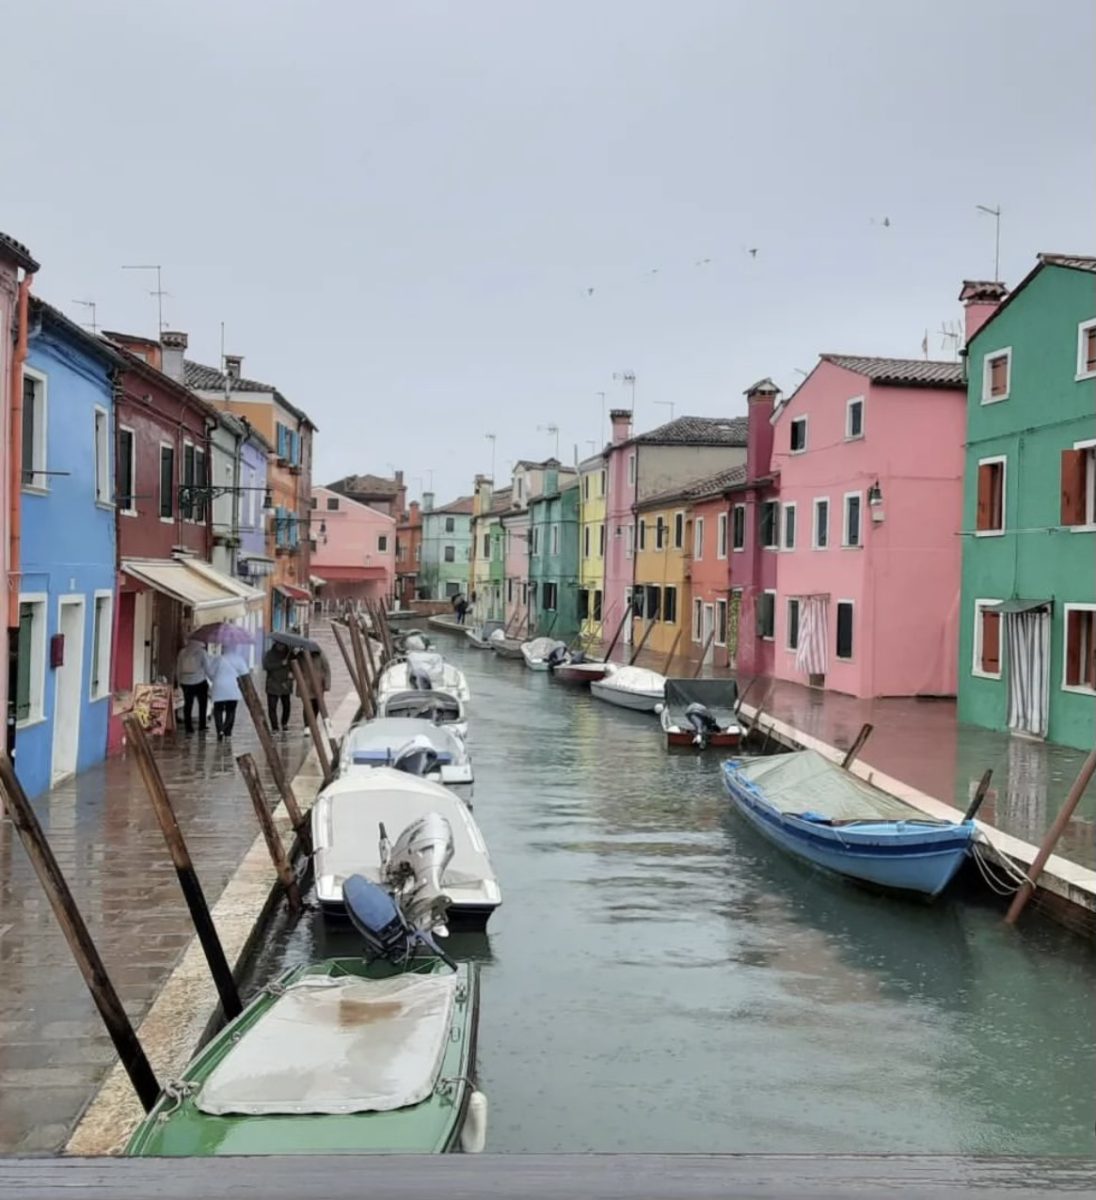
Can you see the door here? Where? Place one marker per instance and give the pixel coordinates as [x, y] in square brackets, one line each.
[142, 638]
[629, 625]
[707, 625]
[68, 683]
[1027, 641]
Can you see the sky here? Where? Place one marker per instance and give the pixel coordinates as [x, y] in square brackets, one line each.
[429, 222]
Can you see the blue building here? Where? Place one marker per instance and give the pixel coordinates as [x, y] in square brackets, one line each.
[67, 586]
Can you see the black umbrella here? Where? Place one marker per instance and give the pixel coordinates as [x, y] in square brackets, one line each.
[295, 642]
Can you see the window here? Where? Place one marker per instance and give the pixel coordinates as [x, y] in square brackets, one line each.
[698, 538]
[586, 487]
[124, 482]
[601, 485]
[631, 468]
[510, 590]
[486, 545]
[186, 499]
[770, 522]
[1079, 484]
[669, 605]
[167, 482]
[820, 537]
[34, 430]
[451, 590]
[583, 604]
[721, 622]
[555, 539]
[536, 539]
[418, 552]
[314, 502]
[449, 554]
[852, 519]
[793, 622]
[100, 645]
[1086, 350]
[844, 629]
[643, 535]
[450, 524]
[721, 536]
[789, 526]
[679, 530]
[987, 640]
[586, 541]
[653, 597]
[549, 597]
[382, 542]
[698, 618]
[199, 481]
[31, 686]
[738, 529]
[660, 533]
[102, 457]
[601, 540]
[597, 604]
[1080, 649]
[332, 503]
[854, 418]
[990, 515]
[798, 435]
[766, 615]
[996, 376]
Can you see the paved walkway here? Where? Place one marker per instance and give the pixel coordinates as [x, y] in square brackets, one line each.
[54, 1052]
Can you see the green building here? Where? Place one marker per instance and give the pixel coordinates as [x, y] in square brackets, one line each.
[553, 558]
[1028, 622]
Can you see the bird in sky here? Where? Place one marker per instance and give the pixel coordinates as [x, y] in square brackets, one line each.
[702, 262]
[752, 252]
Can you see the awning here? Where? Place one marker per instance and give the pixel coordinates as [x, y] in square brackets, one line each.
[1018, 606]
[211, 595]
[298, 595]
[253, 598]
[316, 581]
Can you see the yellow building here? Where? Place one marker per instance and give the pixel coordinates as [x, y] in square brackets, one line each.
[660, 593]
[594, 624]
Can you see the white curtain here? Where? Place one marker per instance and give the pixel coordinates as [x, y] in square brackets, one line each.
[810, 656]
[1027, 637]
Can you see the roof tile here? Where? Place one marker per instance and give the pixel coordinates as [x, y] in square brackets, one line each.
[697, 431]
[905, 372]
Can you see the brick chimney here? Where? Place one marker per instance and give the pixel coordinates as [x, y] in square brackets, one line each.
[621, 421]
[981, 298]
[414, 517]
[233, 364]
[401, 495]
[172, 351]
[427, 502]
[760, 400]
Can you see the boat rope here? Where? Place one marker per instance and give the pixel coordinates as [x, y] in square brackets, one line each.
[176, 1091]
[447, 1085]
[990, 861]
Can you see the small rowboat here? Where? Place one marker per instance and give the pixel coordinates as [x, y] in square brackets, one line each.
[821, 813]
[631, 687]
[505, 647]
[701, 713]
[378, 743]
[430, 669]
[580, 672]
[480, 635]
[439, 707]
[538, 652]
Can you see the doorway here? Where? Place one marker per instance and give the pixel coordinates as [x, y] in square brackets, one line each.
[707, 625]
[629, 624]
[68, 682]
[1027, 641]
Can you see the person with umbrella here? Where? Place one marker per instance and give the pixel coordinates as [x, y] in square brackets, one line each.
[224, 674]
[191, 669]
[279, 683]
[321, 673]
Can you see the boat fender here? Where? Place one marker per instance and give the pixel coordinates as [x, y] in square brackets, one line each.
[473, 1136]
[658, 709]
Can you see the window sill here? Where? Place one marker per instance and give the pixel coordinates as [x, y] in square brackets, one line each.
[854, 437]
[846, 546]
[30, 489]
[765, 639]
[989, 533]
[105, 505]
[838, 658]
[30, 723]
[1081, 376]
[820, 547]
[977, 674]
[1081, 528]
[167, 520]
[99, 699]
[738, 549]
[1078, 689]
[128, 512]
[994, 399]
[777, 548]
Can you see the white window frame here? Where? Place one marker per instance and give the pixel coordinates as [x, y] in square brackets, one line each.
[1082, 331]
[738, 549]
[41, 435]
[104, 493]
[668, 587]
[698, 539]
[698, 618]
[176, 511]
[102, 669]
[555, 540]
[845, 543]
[849, 435]
[722, 533]
[815, 503]
[789, 601]
[791, 505]
[679, 523]
[1076, 688]
[987, 358]
[630, 541]
[132, 512]
[775, 544]
[791, 425]
[631, 468]
[37, 664]
[976, 654]
[770, 637]
[720, 604]
[1090, 480]
[852, 605]
[985, 533]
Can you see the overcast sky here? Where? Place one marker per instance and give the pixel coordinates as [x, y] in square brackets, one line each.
[398, 209]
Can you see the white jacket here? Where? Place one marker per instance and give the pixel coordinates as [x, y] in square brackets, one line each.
[224, 670]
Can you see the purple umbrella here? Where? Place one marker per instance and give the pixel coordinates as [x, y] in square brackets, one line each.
[223, 633]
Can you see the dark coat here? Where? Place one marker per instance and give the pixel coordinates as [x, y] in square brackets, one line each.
[322, 669]
[279, 677]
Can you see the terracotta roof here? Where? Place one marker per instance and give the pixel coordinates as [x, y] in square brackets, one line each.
[204, 378]
[17, 253]
[500, 501]
[375, 486]
[699, 489]
[697, 431]
[1071, 262]
[762, 385]
[93, 345]
[462, 506]
[901, 372]
[1075, 262]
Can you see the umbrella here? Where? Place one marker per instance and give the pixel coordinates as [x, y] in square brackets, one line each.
[223, 633]
[295, 642]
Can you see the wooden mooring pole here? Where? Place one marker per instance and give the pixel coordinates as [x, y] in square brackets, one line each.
[642, 642]
[670, 657]
[84, 950]
[266, 823]
[314, 680]
[858, 745]
[351, 666]
[979, 795]
[184, 868]
[616, 636]
[311, 720]
[703, 655]
[365, 671]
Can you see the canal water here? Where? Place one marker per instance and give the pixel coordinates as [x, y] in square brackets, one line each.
[661, 979]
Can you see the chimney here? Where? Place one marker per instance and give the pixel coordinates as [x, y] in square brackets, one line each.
[172, 351]
[761, 400]
[401, 494]
[981, 298]
[427, 502]
[413, 515]
[621, 421]
[233, 363]
[551, 480]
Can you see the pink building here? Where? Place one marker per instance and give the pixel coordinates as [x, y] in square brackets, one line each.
[353, 549]
[870, 457]
[515, 543]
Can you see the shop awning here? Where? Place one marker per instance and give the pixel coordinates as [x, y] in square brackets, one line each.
[298, 595]
[1018, 606]
[316, 581]
[211, 595]
[253, 598]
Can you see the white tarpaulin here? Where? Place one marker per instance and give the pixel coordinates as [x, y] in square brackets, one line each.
[338, 1045]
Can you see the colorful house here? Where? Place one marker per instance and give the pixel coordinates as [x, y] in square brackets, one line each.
[66, 592]
[870, 457]
[554, 557]
[708, 570]
[515, 535]
[660, 590]
[353, 549]
[1027, 646]
[408, 555]
[592, 541]
[478, 588]
[446, 547]
[386, 495]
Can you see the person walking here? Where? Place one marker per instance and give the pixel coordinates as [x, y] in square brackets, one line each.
[321, 671]
[191, 670]
[279, 684]
[224, 673]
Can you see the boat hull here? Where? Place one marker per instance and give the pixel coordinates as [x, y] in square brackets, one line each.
[635, 701]
[892, 856]
[580, 673]
[461, 918]
[724, 739]
[504, 650]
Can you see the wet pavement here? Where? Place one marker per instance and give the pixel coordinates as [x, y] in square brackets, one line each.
[660, 978]
[54, 1052]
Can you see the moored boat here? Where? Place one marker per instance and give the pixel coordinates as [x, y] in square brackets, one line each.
[631, 687]
[426, 671]
[381, 742]
[480, 635]
[580, 670]
[439, 707]
[503, 646]
[701, 713]
[537, 652]
[821, 813]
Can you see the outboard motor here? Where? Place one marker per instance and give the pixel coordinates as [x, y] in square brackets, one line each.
[700, 718]
[556, 657]
[577, 656]
[413, 867]
[418, 757]
[382, 925]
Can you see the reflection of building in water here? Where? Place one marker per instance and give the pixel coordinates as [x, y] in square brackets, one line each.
[1022, 809]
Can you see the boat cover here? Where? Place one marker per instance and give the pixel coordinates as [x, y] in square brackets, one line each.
[804, 783]
[425, 705]
[332, 1044]
[380, 741]
[541, 647]
[718, 695]
[635, 679]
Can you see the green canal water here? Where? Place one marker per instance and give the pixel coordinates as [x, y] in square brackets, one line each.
[661, 979]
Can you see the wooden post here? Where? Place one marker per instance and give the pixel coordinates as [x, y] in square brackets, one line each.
[673, 651]
[266, 823]
[274, 761]
[310, 719]
[350, 665]
[858, 745]
[642, 641]
[742, 697]
[619, 630]
[314, 679]
[757, 713]
[1027, 888]
[979, 795]
[380, 624]
[365, 673]
[184, 869]
[703, 655]
[367, 642]
[90, 965]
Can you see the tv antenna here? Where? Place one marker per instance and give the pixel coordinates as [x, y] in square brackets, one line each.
[995, 213]
[950, 332]
[602, 395]
[667, 404]
[628, 378]
[491, 438]
[551, 429]
[90, 304]
[159, 292]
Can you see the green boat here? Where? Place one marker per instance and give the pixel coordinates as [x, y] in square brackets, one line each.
[337, 1057]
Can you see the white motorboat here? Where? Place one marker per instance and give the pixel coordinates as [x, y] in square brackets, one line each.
[631, 687]
[380, 743]
[538, 652]
[442, 708]
[426, 671]
[480, 635]
[348, 840]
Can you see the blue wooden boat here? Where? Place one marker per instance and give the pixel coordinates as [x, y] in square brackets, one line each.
[817, 811]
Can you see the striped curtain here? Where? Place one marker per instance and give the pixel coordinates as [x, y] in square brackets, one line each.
[810, 657]
[1027, 636]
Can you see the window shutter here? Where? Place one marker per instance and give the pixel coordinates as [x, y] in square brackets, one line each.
[985, 497]
[1074, 629]
[991, 642]
[1090, 349]
[1073, 487]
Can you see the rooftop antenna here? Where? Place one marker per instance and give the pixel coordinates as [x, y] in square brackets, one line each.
[593, 446]
[950, 332]
[159, 292]
[553, 429]
[667, 404]
[995, 213]
[89, 304]
[491, 438]
[602, 395]
[628, 378]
